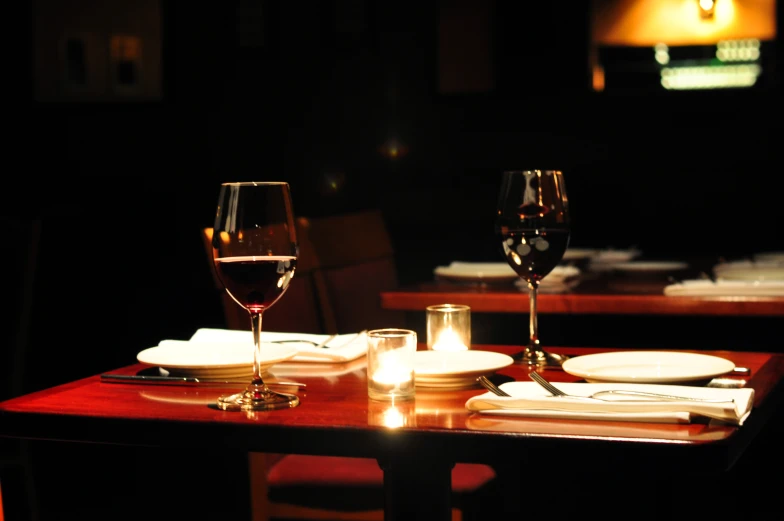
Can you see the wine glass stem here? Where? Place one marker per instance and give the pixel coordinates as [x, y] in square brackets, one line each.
[255, 323]
[533, 324]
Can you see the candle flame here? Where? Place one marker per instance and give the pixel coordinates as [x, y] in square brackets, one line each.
[448, 340]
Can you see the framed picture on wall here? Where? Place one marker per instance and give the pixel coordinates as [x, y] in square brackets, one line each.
[87, 51]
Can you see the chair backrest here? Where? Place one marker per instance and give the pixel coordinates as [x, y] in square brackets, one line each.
[357, 262]
[20, 263]
[299, 310]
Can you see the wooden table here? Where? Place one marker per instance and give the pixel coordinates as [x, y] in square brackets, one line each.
[336, 418]
[599, 297]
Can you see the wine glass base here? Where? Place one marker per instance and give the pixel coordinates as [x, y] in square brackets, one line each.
[539, 358]
[252, 400]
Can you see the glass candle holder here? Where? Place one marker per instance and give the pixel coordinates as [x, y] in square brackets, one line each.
[449, 327]
[390, 364]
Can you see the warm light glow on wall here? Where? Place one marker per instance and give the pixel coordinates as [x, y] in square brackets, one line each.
[678, 22]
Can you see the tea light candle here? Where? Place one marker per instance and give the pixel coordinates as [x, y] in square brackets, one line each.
[391, 373]
[448, 340]
[391, 364]
[449, 327]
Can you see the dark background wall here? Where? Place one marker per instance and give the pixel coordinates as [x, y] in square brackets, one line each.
[123, 189]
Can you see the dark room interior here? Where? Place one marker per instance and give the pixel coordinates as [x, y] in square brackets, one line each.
[136, 111]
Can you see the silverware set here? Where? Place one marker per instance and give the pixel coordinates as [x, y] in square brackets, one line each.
[558, 393]
[324, 344]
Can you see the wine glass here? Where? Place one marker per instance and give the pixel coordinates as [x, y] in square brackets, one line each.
[532, 224]
[254, 249]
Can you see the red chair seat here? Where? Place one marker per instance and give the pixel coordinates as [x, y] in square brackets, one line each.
[356, 483]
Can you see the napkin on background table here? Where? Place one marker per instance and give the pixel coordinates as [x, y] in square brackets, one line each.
[561, 280]
[343, 348]
[725, 288]
[531, 400]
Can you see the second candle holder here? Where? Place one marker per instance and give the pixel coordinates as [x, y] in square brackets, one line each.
[448, 327]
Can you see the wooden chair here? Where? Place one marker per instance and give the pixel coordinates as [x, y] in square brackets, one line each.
[357, 261]
[352, 262]
[20, 246]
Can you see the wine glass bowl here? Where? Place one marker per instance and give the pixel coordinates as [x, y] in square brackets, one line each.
[533, 226]
[254, 246]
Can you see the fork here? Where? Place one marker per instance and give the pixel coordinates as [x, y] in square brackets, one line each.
[493, 388]
[322, 344]
[536, 377]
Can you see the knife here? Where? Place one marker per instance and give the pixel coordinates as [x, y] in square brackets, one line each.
[317, 345]
[182, 380]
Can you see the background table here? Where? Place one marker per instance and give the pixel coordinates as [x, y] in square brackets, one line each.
[601, 312]
[599, 297]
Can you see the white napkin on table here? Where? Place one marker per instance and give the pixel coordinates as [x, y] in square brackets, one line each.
[725, 288]
[531, 400]
[342, 348]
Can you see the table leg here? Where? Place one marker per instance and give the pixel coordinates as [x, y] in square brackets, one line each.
[417, 487]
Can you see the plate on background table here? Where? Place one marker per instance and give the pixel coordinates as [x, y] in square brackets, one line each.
[725, 288]
[576, 254]
[606, 260]
[769, 256]
[647, 367]
[492, 272]
[650, 266]
[212, 360]
[750, 271]
[456, 369]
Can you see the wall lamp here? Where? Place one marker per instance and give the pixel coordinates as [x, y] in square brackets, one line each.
[707, 8]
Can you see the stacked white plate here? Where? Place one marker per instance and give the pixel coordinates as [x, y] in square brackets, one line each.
[211, 360]
[456, 369]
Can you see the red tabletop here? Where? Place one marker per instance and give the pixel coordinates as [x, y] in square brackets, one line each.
[421, 443]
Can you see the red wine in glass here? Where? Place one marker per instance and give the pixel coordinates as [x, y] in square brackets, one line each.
[534, 253]
[256, 283]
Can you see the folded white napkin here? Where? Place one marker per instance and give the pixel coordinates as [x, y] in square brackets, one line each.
[342, 348]
[722, 288]
[481, 271]
[531, 400]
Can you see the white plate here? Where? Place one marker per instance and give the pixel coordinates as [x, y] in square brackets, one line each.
[650, 266]
[725, 288]
[749, 270]
[210, 360]
[456, 369]
[573, 254]
[477, 271]
[647, 367]
[613, 255]
[770, 256]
